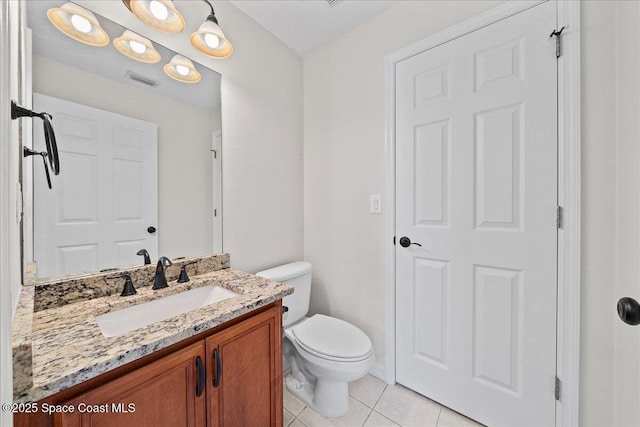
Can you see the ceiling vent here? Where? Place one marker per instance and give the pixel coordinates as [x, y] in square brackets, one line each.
[141, 79]
[332, 2]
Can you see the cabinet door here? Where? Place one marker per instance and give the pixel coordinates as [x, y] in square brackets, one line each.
[244, 373]
[162, 393]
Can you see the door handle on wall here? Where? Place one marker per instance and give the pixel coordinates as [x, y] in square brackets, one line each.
[629, 311]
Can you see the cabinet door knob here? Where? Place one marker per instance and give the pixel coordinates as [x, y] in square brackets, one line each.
[217, 375]
[201, 379]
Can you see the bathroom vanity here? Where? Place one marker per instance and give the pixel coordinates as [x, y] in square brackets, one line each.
[219, 364]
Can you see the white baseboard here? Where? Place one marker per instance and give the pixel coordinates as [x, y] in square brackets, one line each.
[378, 371]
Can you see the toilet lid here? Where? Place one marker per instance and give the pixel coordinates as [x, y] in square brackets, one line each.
[332, 337]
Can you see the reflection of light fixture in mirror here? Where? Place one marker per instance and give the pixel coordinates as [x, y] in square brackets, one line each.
[79, 24]
[182, 69]
[210, 40]
[136, 47]
[159, 14]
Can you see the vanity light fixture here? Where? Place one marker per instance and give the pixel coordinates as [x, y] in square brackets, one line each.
[182, 69]
[210, 40]
[79, 24]
[136, 47]
[159, 14]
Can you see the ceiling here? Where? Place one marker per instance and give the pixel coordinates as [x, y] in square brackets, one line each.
[306, 25]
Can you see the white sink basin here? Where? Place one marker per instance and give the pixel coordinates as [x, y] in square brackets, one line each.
[120, 322]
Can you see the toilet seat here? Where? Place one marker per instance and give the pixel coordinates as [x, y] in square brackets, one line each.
[332, 339]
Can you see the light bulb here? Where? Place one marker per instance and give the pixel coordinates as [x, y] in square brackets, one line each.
[182, 70]
[81, 23]
[212, 40]
[159, 10]
[137, 47]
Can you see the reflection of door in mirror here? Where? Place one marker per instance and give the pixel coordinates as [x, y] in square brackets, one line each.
[97, 215]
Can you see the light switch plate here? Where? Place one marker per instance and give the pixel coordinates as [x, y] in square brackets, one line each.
[375, 204]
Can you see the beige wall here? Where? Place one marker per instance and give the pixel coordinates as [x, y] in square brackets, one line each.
[261, 131]
[626, 382]
[598, 216]
[184, 140]
[344, 164]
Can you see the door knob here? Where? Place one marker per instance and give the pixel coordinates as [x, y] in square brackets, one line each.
[151, 229]
[405, 242]
[629, 311]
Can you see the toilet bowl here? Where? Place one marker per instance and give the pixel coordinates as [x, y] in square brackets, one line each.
[324, 353]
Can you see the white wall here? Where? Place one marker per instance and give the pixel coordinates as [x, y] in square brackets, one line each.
[627, 279]
[598, 215]
[184, 140]
[261, 131]
[344, 128]
[344, 164]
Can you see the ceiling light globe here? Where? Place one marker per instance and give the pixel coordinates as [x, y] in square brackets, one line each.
[137, 47]
[81, 23]
[159, 10]
[212, 40]
[182, 70]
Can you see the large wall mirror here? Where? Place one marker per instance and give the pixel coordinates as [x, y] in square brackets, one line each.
[140, 155]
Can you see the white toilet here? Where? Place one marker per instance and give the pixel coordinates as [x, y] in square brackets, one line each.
[324, 353]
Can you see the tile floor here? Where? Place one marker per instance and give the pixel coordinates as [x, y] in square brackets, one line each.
[373, 403]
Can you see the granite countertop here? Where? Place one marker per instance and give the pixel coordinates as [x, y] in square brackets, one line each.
[59, 347]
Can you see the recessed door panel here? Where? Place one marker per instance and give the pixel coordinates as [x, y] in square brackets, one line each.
[498, 156]
[431, 86]
[128, 180]
[497, 326]
[128, 137]
[500, 63]
[78, 128]
[431, 154]
[431, 285]
[79, 189]
[78, 258]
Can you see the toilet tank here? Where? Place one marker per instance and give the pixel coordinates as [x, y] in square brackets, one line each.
[298, 275]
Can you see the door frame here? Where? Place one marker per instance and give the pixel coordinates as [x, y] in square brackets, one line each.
[569, 157]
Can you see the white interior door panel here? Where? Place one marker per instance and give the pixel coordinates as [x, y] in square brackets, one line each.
[476, 186]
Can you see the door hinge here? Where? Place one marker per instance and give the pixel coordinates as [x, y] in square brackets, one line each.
[557, 389]
[559, 217]
[215, 212]
[558, 37]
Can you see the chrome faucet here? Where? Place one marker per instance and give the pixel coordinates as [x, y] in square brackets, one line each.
[160, 280]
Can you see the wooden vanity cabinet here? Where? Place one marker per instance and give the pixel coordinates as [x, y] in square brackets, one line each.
[163, 387]
[245, 383]
[162, 393]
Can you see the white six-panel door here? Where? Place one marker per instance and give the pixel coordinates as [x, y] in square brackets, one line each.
[106, 196]
[476, 186]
